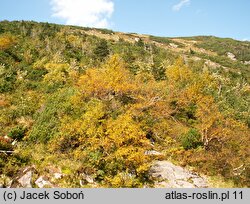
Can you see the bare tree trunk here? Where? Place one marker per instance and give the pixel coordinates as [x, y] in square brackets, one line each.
[219, 90]
[6, 152]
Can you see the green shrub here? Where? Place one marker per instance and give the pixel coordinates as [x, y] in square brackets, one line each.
[48, 119]
[36, 74]
[17, 133]
[191, 140]
[101, 50]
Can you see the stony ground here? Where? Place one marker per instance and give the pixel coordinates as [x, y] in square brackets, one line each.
[165, 173]
[168, 175]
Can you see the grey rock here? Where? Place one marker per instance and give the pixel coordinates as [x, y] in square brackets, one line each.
[29, 168]
[152, 152]
[58, 175]
[173, 45]
[10, 184]
[25, 180]
[184, 184]
[42, 182]
[231, 56]
[172, 176]
[89, 179]
[86, 179]
[200, 182]
[137, 39]
[163, 184]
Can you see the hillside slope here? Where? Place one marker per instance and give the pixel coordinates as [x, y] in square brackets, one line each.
[89, 104]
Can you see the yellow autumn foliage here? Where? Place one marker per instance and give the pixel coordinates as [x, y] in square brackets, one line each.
[6, 41]
[110, 79]
[57, 73]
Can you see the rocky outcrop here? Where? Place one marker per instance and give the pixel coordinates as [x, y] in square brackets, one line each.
[153, 152]
[168, 175]
[173, 45]
[211, 64]
[231, 56]
[87, 180]
[25, 180]
[165, 174]
[58, 175]
[43, 182]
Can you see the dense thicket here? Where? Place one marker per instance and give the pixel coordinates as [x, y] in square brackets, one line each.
[95, 105]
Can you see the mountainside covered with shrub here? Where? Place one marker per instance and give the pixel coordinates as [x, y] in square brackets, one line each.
[93, 102]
